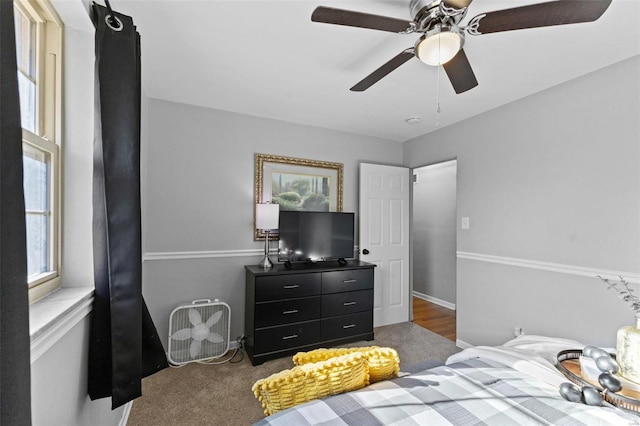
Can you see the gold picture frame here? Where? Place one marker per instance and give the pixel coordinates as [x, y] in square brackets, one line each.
[297, 184]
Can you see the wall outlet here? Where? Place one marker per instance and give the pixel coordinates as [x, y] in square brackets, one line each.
[517, 331]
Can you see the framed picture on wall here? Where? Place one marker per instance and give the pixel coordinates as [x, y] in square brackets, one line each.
[297, 184]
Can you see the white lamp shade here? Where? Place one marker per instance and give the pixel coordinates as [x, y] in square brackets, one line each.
[438, 49]
[267, 216]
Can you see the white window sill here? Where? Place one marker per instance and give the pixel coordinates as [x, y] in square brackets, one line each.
[51, 317]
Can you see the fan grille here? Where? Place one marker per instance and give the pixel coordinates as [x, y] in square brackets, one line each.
[198, 331]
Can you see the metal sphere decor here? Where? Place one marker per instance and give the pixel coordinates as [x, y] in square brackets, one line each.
[570, 392]
[591, 396]
[588, 394]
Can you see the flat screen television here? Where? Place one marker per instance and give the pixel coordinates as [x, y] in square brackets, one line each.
[315, 236]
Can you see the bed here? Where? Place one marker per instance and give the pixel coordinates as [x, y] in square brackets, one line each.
[516, 383]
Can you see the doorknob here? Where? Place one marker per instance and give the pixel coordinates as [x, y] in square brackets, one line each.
[365, 251]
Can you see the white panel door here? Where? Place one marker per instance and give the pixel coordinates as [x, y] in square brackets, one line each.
[384, 238]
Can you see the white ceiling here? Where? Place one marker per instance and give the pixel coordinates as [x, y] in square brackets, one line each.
[266, 58]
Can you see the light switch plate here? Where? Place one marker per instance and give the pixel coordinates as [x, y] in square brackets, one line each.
[465, 223]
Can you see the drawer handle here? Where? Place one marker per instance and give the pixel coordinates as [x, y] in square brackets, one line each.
[349, 303]
[348, 326]
[291, 286]
[293, 336]
[349, 281]
[293, 311]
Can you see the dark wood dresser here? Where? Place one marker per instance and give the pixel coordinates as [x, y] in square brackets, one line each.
[306, 307]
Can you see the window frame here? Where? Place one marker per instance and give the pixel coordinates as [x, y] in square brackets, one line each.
[48, 131]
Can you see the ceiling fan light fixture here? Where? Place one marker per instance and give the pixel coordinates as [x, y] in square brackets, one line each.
[439, 46]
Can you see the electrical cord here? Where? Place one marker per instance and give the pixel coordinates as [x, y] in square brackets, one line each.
[240, 341]
[210, 361]
[239, 349]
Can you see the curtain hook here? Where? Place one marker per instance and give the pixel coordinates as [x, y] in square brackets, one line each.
[111, 19]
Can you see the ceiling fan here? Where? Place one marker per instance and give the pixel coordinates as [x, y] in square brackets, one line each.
[442, 36]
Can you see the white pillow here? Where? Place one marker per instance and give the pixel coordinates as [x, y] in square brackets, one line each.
[543, 346]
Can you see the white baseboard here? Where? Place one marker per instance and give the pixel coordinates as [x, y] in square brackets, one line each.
[462, 344]
[435, 300]
[125, 414]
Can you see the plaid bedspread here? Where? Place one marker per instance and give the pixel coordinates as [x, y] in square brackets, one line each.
[466, 393]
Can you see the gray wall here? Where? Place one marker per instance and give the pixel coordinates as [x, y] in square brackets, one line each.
[198, 197]
[434, 232]
[59, 385]
[552, 178]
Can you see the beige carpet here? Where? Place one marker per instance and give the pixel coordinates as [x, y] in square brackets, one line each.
[198, 394]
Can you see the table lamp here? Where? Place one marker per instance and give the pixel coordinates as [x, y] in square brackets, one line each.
[266, 220]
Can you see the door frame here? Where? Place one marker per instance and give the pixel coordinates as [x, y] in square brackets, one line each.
[412, 227]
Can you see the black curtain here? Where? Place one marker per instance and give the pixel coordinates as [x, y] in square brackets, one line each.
[124, 345]
[15, 346]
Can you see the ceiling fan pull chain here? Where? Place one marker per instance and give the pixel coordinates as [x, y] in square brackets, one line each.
[438, 90]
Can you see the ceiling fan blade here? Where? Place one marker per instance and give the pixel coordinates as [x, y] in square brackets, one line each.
[457, 4]
[460, 73]
[539, 15]
[385, 69]
[330, 15]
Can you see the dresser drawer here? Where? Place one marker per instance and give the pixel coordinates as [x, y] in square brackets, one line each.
[287, 336]
[348, 280]
[287, 286]
[287, 311]
[345, 326]
[346, 303]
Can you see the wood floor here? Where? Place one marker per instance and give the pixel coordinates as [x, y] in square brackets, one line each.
[435, 318]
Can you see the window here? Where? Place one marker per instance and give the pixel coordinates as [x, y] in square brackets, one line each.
[38, 41]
